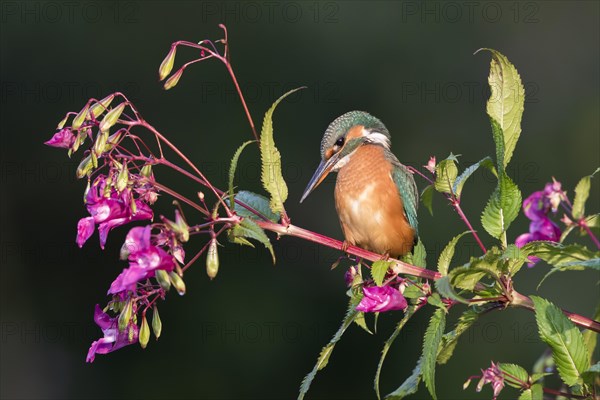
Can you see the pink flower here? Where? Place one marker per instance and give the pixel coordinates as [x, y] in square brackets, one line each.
[380, 299]
[144, 260]
[63, 138]
[113, 339]
[109, 212]
[494, 376]
[554, 193]
[431, 165]
[536, 206]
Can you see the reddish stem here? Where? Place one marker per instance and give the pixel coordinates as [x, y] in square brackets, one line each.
[462, 215]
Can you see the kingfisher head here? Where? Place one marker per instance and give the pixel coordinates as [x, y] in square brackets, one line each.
[341, 139]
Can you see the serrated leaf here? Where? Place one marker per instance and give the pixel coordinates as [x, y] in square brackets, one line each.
[594, 263]
[514, 375]
[436, 301]
[445, 289]
[409, 386]
[535, 392]
[582, 192]
[445, 175]
[323, 358]
[258, 203]
[427, 198]
[431, 344]
[379, 270]
[412, 292]
[447, 254]
[565, 340]
[557, 254]
[388, 343]
[506, 102]
[502, 207]
[248, 229]
[232, 168]
[514, 259]
[362, 322]
[450, 339]
[271, 176]
[467, 276]
[462, 178]
[419, 256]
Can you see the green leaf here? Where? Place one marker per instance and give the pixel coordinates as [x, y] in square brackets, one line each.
[450, 339]
[427, 198]
[462, 178]
[431, 344]
[535, 392]
[589, 336]
[445, 175]
[502, 207]
[379, 270]
[412, 292]
[272, 179]
[362, 322]
[557, 254]
[591, 373]
[582, 192]
[257, 202]
[409, 386]
[447, 254]
[565, 340]
[467, 276]
[594, 263]
[436, 301]
[388, 343]
[419, 257]
[514, 259]
[232, 168]
[506, 102]
[514, 375]
[445, 289]
[323, 358]
[248, 229]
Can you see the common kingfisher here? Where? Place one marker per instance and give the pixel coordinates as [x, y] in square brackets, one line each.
[376, 197]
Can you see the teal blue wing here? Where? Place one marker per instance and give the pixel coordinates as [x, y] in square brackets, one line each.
[405, 182]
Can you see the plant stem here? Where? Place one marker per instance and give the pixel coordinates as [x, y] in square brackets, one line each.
[399, 267]
[462, 215]
[520, 300]
[590, 233]
[563, 394]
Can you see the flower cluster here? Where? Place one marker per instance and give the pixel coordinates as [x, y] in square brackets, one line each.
[123, 193]
[537, 208]
[492, 375]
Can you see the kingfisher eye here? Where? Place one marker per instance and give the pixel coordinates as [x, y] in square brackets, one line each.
[340, 142]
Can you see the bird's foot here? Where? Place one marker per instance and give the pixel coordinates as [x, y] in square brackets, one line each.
[345, 246]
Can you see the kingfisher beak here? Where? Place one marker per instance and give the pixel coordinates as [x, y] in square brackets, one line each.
[322, 171]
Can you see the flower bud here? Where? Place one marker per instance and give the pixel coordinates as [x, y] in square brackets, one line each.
[122, 178]
[179, 227]
[177, 282]
[173, 80]
[167, 64]
[98, 108]
[156, 323]
[144, 335]
[100, 143]
[79, 118]
[162, 277]
[61, 124]
[212, 260]
[113, 140]
[84, 167]
[111, 117]
[125, 316]
[146, 170]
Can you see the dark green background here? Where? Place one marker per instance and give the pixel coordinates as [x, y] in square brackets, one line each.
[256, 330]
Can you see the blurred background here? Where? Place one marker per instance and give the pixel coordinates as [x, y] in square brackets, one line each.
[256, 330]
